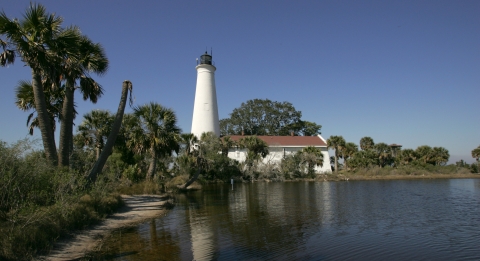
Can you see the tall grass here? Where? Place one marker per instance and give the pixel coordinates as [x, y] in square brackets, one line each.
[39, 202]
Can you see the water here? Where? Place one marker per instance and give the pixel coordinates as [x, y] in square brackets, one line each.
[359, 220]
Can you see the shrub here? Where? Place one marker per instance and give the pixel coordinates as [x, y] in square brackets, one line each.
[39, 202]
[474, 167]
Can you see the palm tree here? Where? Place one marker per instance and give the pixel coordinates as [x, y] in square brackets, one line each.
[90, 57]
[366, 143]
[209, 143]
[348, 151]
[337, 143]
[8, 55]
[311, 157]
[188, 140]
[25, 101]
[160, 132]
[384, 153]
[441, 156]
[41, 43]
[425, 153]
[226, 143]
[476, 153]
[124, 142]
[95, 129]
[256, 148]
[107, 149]
[407, 156]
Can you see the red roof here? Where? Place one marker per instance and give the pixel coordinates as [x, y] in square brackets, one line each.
[290, 141]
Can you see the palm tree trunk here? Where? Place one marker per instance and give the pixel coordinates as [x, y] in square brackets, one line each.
[107, 149]
[345, 158]
[97, 150]
[46, 130]
[336, 161]
[195, 176]
[98, 145]
[66, 128]
[153, 165]
[191, 180]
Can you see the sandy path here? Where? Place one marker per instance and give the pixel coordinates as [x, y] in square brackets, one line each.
[137, 209]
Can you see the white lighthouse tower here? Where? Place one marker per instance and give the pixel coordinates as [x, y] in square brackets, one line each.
[205, 109]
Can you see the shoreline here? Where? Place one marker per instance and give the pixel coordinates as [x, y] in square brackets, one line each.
[137, 209]
[353, 177]
[413, 177]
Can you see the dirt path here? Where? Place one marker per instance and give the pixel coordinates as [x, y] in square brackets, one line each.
[137, 209]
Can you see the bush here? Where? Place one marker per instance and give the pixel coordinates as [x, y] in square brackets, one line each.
[39, 202]
[474, 168]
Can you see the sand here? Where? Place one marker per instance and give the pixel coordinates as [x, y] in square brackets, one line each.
[137, 209]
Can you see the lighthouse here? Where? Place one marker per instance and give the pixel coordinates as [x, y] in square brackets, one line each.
[205, 109]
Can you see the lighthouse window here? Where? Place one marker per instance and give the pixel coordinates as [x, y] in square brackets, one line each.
[206, 107]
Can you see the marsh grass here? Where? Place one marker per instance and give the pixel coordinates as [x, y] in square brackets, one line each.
[414, 171]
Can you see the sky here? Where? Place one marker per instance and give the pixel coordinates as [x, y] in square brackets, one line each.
[405, 72]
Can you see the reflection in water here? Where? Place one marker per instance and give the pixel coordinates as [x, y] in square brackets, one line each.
[362, 220]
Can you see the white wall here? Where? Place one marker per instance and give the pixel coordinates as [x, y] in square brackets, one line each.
[276, 154]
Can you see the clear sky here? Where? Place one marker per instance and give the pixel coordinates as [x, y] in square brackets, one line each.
[405, 72]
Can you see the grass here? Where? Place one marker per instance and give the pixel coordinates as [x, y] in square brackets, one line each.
[33, 229]
[409, 172]
[40, 203]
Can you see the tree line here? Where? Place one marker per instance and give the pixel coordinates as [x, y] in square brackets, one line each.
[371, 154]
[150, 142]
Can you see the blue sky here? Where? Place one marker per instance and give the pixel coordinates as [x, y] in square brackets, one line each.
[405, 72]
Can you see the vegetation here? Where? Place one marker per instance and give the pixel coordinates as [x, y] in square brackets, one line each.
[476, 153]
[112, 137]
[374, 156]
[58, 58]
[157, 133]
[88, 58]
[39, 202]
[95, 129]
[336, 143]
[266, 117]
[41, 43]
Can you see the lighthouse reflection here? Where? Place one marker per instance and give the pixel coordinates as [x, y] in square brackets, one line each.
[260, 218]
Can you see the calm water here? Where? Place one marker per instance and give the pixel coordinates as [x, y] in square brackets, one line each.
[359, 220]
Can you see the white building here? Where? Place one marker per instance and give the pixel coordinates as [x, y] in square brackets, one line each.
[281, 146]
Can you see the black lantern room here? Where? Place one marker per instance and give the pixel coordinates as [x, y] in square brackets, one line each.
[206, 59]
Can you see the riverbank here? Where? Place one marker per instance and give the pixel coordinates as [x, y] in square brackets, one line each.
[406, 177]
[137, 209]
[402, 172]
